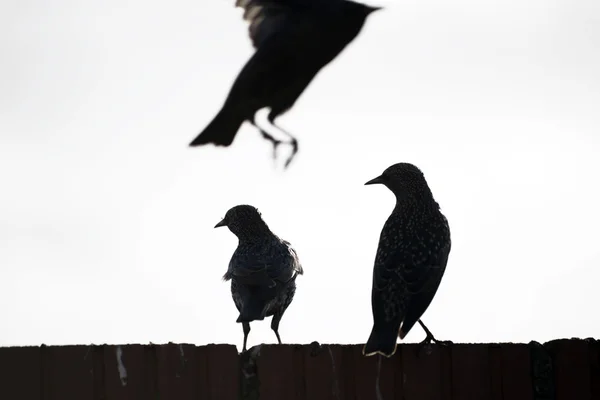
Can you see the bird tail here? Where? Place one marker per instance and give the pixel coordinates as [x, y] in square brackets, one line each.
[381, 341]
[221, 131]
[252, 310]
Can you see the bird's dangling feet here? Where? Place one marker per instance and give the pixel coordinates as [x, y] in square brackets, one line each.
[270, 138]
[293, 142]
[276, 142]
[429, 338]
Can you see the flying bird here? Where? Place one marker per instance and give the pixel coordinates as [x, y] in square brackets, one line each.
[262, 270]
[410, 261]
[293, 41]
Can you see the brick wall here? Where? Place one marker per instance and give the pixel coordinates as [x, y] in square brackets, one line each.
[557, 370]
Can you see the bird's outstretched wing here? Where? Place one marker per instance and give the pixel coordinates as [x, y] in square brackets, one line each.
[270, 17]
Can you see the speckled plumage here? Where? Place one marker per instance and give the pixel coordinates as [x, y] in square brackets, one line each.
[262, 270]
[410, 261]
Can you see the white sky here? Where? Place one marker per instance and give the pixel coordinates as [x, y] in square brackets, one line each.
[106, 216]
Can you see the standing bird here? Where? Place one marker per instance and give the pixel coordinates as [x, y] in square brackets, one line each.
[294, 40]
[262, 270]
[411, 259]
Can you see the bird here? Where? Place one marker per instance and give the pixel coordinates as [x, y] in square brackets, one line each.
[410, 261]
[293, 41]
[262, 269]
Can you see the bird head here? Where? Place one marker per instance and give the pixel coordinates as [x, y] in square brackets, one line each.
[404, 180]
[243, 220]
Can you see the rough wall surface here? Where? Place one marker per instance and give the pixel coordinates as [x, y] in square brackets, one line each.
[557, 370]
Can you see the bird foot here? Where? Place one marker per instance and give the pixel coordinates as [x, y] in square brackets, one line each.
[315, 348]
[294, 144]
[276, 142]
[427, 343]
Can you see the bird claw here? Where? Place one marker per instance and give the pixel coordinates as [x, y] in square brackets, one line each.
[427, 343]
[276, 142]
[315, 348]
[273, 141]
[421, 346]
[294, 144]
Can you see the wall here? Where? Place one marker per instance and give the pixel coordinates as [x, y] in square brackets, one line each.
[560, 370]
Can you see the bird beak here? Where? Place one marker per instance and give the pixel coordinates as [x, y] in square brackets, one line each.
[373, 9]
[374, 181]
[222, 223]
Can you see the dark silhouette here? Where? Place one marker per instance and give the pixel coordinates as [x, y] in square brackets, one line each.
[262, 270]
[411, 259]
[294, 40]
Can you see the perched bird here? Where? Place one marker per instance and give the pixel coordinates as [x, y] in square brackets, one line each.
[294, 40]
[411, 259]
[262, 270]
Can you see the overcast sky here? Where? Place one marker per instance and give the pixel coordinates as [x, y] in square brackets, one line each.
[106, 216]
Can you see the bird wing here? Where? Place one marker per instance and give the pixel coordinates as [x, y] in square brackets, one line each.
[407, 273]
[264, 269]
[270, 17]
[424, 287]
[422, 275]
[253, 276]
[296, 265]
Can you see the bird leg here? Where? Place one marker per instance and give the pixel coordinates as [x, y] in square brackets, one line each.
[276, 142]
[430, 338]
[292, 141]
[246, 326]
[268, 136]
[275, 325]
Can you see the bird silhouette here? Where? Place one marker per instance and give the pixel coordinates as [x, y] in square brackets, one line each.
[262, 270]
[294, 40]
[410, 261]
